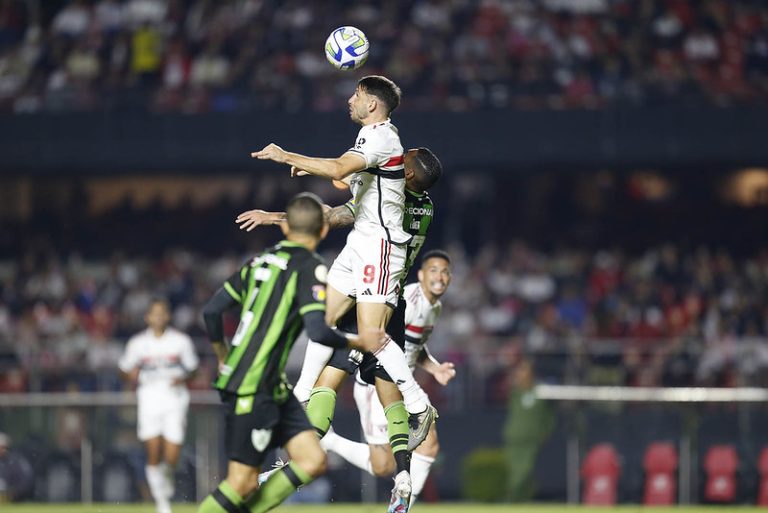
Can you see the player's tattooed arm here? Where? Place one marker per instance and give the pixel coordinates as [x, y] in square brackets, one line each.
[339, 217]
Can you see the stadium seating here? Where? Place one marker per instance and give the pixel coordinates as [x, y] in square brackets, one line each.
[600, 471]
[762, 468]
[660, 464]
[720, 464]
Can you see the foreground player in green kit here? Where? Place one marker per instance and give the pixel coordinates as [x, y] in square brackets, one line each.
[279, 293]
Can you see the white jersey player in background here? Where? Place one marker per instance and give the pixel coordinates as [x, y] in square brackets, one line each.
[422, 311]
[160, 360]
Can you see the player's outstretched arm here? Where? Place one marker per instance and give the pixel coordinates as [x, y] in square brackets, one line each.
[337, 217]
[333, 169]
[442, 372]
[250, 219]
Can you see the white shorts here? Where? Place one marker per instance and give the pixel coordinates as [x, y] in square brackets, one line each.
[368, 269]
[159, 416]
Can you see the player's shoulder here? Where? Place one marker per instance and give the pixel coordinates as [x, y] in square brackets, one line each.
[412, 291]
[177, 334]
[138, 338]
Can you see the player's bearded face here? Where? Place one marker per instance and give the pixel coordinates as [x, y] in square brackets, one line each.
[358, 105]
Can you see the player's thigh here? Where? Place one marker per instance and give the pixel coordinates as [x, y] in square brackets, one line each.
[171, 452]
[430, 446]
[337, 303]
[373, 315]
[346, 360]
[154, 449]
[304, 450]
[331, 377]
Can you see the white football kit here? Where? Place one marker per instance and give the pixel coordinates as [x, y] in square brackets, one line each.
[420, 319]
[372, 262]
[162, 405]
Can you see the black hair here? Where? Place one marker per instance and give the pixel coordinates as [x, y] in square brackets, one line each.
[304, 214]
[436, 253]
[383, 89]
[428, 170]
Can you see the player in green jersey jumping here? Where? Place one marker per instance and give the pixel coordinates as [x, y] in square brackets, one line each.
[279, 293]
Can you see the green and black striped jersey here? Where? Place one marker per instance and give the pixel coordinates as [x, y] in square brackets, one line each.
[417, 217]
[275, 290]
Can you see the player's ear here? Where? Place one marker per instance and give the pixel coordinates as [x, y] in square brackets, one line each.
[284, 228]
[420, 275]
[324, 231]
[372, 103]
[409, 172]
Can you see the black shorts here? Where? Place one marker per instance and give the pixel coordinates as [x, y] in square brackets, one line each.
[347, 360]
[255, 424]
[370, 369]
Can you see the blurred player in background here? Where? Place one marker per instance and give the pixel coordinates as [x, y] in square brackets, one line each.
[280, 292]
[422, 311]
[160, 360]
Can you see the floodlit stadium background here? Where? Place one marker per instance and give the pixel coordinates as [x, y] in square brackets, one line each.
[605, 201]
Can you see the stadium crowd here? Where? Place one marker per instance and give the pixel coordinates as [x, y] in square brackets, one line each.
[240, 55]
[661, 317]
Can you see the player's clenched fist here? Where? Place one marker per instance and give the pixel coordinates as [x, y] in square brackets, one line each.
[270, 152]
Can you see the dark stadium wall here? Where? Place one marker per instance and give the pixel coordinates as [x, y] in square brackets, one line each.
[501, 140]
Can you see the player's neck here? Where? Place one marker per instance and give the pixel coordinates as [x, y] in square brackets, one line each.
[373, 118]
[157, 333]
[307, 241]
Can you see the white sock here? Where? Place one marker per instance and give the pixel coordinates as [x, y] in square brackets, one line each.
[315, 358]
[358, 454]
[169, 474]
[392, 359]
[420, 466]
[157, 486]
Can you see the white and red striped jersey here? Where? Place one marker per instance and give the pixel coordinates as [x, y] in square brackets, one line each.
[160, 360]
[379, 191]
[420, 319]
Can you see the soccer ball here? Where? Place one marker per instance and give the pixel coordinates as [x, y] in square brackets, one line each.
[347, 48]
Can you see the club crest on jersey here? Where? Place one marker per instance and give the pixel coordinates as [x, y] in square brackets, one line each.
[318, 292]
[321, 273]
[360, 142]
[260, 438]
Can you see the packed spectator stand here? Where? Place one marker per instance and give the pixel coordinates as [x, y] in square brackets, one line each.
[248, 55]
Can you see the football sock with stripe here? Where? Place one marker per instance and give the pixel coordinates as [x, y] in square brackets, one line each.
[397, 429]
[315, 358]
[278, 487]
[392, 358]
[223, 500]
[320, 409]
[357, 453]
